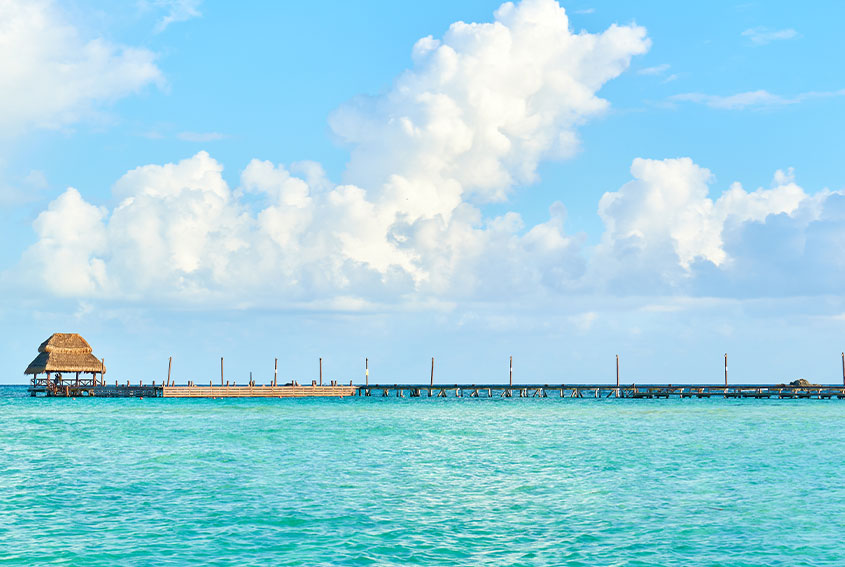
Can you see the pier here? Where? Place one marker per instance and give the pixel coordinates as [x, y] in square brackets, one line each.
[597, 391]
[89, 390]
[69, 353]
[335, 390]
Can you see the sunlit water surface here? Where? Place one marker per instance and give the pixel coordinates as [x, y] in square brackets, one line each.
[386, 481]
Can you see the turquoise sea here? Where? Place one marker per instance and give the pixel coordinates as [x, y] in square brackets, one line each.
[386, 481]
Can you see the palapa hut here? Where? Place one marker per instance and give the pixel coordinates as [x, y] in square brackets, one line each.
[65, 353]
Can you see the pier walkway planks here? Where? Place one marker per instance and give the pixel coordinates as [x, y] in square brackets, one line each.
[257, 391]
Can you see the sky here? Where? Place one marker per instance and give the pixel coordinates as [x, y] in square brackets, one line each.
[557, 182]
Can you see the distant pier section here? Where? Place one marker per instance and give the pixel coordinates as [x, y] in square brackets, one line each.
[632, 391]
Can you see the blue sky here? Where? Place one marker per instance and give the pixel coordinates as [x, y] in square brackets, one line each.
[657, 180]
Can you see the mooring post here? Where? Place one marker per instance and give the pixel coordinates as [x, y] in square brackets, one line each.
[432, 372]
[169, 364]
[726, 371]
[617, 372]
[510, 372]
[275, 372]
[221, 371]
[250, 378]
[843, 369]
[321, 371]
[366, 372]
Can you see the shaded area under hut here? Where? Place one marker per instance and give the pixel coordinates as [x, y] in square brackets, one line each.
[64, 354]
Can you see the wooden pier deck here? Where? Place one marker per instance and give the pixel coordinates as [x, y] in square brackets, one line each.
[580, 391]
[632, 391]
[257, 391]
[193, 391]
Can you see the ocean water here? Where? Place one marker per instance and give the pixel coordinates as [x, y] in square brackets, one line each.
[375, 481]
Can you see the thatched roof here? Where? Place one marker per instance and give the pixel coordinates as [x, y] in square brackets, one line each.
[65, 352]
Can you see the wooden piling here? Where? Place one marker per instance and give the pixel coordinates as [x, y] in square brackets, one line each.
[510, 372]
[169, 364]
[432, 372]
[726, 370]
[275, 371]
[366, 372]
[617, 370]
[321, 371]
[221, 370]
[843, 369]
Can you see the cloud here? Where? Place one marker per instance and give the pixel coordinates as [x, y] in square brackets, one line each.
[664, 234]
[479, 109]
[760, 99]
[177, 11]
[200, 136]
[477, 112]
[482, 106]
[71, 236]
[56, 77]
[764, 36]
[656, 70]
[25, 190]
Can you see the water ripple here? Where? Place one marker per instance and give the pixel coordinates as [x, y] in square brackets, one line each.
[386, 482]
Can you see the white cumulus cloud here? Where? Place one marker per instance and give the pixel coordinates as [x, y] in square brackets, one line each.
[482, 106]
[51, 76]
[473, 117]
[662, 229]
